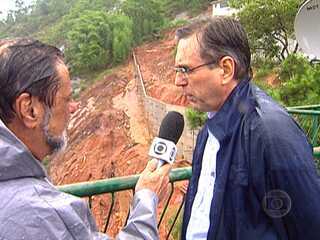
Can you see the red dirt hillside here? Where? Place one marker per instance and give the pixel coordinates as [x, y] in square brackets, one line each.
[156, 60]
[108, 135]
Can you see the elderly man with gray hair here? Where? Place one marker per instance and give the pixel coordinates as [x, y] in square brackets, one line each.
[35, 107]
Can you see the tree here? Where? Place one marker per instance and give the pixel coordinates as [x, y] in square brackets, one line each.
[97, 39]
[195, 119]
[299, 81]
[89, 42]
[269, 24]
[122, 36]
[30, 20]
[64, 14]
[10, 18]
[174, 7]
[147, 17]
[21, 10]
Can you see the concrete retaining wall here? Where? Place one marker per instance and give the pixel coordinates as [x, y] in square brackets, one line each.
[156, 110]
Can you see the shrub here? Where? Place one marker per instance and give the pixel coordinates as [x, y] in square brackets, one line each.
[195, 118]
[300, 81]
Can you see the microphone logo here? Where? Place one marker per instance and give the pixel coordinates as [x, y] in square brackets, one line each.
[160, 148]
[163, 149]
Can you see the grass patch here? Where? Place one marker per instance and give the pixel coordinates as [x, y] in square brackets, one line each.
[176, 231]
[46, 163]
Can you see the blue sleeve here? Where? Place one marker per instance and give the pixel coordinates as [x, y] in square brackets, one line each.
[292, 193]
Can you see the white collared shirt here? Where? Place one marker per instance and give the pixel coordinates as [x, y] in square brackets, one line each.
[199, 222]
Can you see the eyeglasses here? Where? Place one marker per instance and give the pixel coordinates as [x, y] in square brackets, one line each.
[186, 70]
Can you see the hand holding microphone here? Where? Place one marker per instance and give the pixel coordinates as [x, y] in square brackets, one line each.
[155, 177]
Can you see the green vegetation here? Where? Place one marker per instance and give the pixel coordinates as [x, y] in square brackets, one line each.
[94, 33]
[98, 39]
[195, 118]
[147, 17]
[193, 6]
[176, 231]
[299, 81]
[29, 20]
[89, 41]
[269, 25]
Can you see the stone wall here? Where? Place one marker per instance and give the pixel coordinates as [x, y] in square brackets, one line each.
[156, 110]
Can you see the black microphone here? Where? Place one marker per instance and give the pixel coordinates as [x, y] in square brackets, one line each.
[164, 147]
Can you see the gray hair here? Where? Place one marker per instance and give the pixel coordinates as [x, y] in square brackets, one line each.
[219, 37]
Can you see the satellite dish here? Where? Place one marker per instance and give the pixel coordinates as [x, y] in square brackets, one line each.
[307, 28]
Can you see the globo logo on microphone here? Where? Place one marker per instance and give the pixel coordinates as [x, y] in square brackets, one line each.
[160, 148]
[163, 149]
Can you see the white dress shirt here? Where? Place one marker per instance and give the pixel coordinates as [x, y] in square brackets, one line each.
[200, 213]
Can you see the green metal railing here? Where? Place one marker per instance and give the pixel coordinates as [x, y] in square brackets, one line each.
[306, 116]
[308, 119]
[92, 188]
[306, 107]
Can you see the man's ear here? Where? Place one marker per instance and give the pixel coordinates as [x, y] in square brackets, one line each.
[228, 66]
[29, 110]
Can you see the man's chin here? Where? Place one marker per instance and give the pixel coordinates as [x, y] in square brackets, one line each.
[57, 144]
[194, 105]
[60, 150]
[198, 107]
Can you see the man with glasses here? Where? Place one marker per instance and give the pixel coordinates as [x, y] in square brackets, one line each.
[35, 107]
[253, 174]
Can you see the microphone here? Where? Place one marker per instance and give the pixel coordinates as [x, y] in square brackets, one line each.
[163, 147]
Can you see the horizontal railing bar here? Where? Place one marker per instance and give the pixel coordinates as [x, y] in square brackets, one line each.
[306, 107]
[110, 185]
[303, 112]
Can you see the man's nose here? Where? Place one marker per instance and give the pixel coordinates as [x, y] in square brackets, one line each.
[73, 106]
[180, 80]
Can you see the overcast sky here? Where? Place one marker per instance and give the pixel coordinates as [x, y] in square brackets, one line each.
[6, 5]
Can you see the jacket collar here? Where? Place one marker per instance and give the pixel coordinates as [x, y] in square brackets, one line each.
[16, 160]
[237, 104]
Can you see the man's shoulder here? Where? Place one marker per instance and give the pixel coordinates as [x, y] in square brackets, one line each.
[272, 123]
[33, 189]
[33, 198]
[268, 114]
[34, 207]
[25, 213]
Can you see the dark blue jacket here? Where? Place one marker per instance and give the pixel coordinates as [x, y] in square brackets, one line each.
[267, 186]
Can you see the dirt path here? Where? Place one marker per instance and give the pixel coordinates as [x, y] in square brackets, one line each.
[128, 102]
